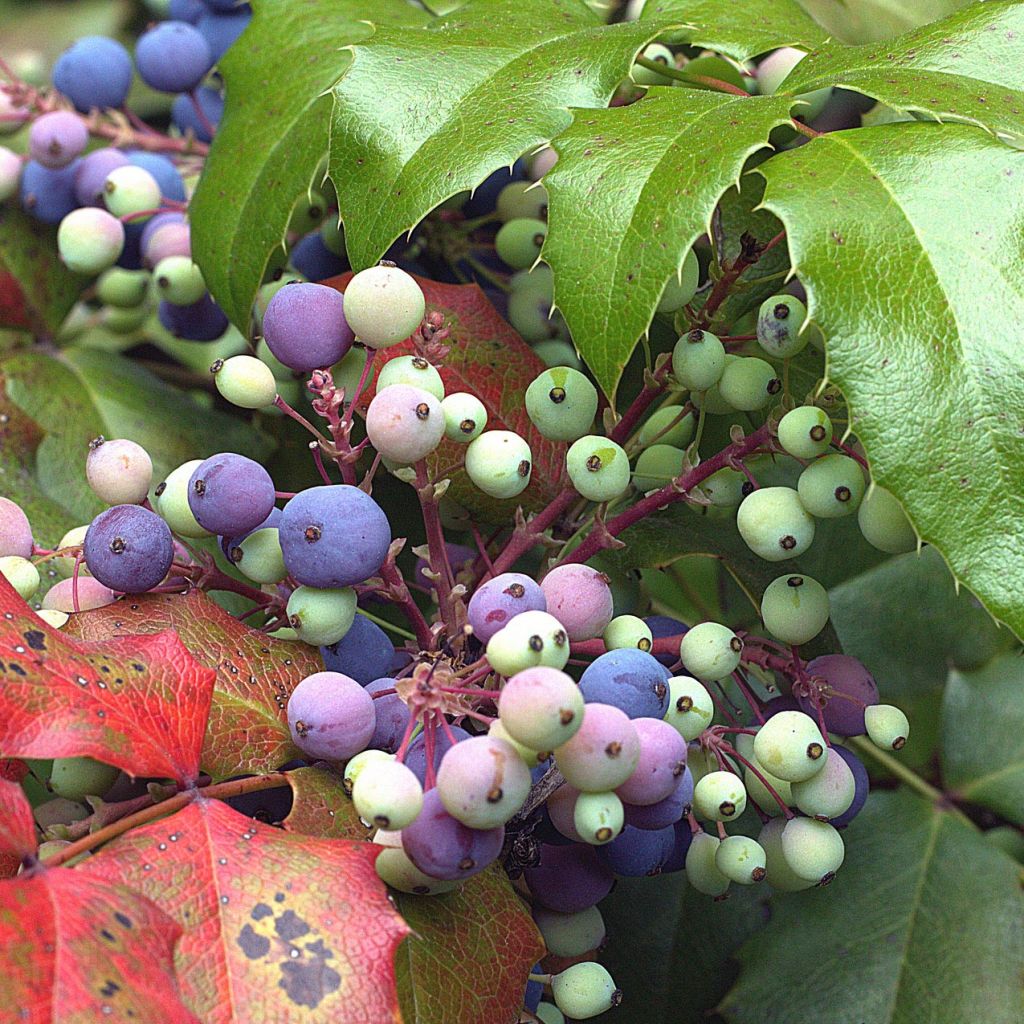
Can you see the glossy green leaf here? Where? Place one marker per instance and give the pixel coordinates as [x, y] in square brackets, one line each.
[983, 736]
[929, 360]
[273, 135]
[740, 28]
[966, 67]
[465, 96]
[640, 184]
[922, 923]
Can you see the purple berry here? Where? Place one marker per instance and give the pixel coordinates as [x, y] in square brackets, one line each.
[636, 852]
[202, 321]
[230, 494]
[459, 556]
[186, 118]
[661, 765]
[313, 260]
[684, 837]
[845, 688]
[48, 194]
[861, 787]
[55, 139]
[91, 174]
[664, 812]
[416, 755]
[173, 56]
[569, 878]
[444, 848]
[392, 717]
[500, 599]
[128, 548]
[305, 327]
[662, 626]
[629, 679]
[330, 716]
[580, 598]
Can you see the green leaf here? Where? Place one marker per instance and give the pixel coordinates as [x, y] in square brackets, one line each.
[85, 392]
[740, 28]
[929, 360]
[39, 290]
[983, 736]
[465, 96]
[273, 135]
[641, 182]
[922, 923]
[966, 67]
[320, 806]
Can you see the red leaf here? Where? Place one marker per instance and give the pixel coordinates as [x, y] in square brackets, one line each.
[12, 303]
[490, 360]
[17, 828]
[278, 927]
[139, 703]
[13, 769]
[255, 674]
[95, 952]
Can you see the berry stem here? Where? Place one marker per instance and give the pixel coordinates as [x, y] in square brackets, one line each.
[731, 751]
[437, 549]
[528, 533]
[398, 591]
[680, 75]
[653, 387]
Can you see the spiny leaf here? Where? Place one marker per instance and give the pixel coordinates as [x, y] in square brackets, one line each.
[17, 829]
[277, 927]
[273, 134]
[320, 806]
[139, 703]
[683, 148]
[875, 945]
[966, 67]
[465, 96]
[255, 674]
[91, 952]
[930, 366]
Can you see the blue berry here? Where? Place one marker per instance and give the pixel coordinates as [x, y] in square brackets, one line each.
[629, 679]
[48, 194]
[202, 321]
[186, 118]
[221, 30]
[230, 494]
[173, 56]
[365, 652]
[128, 548]
[94, 72]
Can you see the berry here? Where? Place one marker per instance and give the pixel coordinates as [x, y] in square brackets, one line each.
[884, 523]
[392, 712]
[384, 305]
[15, 530]
[532, 638]
[598, 817]
[861, 785]
[631, 680]
[794, 608]
[412, 370]
[53, 618]
[598, 468]
[661, 764]
[365, 652]
[75, 778]
[562, 404]
[690, 707]
[603, 753]
[124, 289]
[660, 55]
[178, 280]
[774, 523]
[55, 139]
[569, 879]
[245, 381]
[725, 488]
[711, 651]
[720, 796]
[354, 767]
[829, 793]
[21, 574]
[749, 383]
[500, 599]
[186, 118]
[636, 852]
[330, 716]
[844, 688]
[570, 935]
[518, 242]
[813, 850]
[131, 191]
[306, 326]
[698, 360]
[779, 323]
[173, 56]
[669, 425]
[387, 794]
[221, 30]
[521, 199]
[91, 595]
[831, 486]
[119, 472]
[172, 504]
[580, 598]
[682, 287]
[741, 860]
[333, 536]
[168, 177]
[483, 782]
[396, 870]
[465, 417]
[887, 726]
[165, 235]
[416, 755]
[541, 707]
[702, 871]
[753, 773]
[584, 990]
[774, 69]
[805, 432]
[404, 423]
[94, 72]
[321, 617]
[230, 494]
[128, 548]
[499, 463]
[790, 746]
[628, 631]
[656, 466]
[531, 758]
[48, 195]
[202, 321]
[442, 847]
[10, 173]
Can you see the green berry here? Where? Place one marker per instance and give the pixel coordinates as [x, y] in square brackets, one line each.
[321, 617]
[681, 288]
[701, 870]
[711, 66]
[521, 199]
[780, 875]
[259, 557]
[774, 523]
[584, 990]
[710, 651]
[529, 639]
[829, 793]
[741, 860]
[724, 488]
[387, 794]
[656, 466]
[813, 849]
[358, 763]
[628, 631]
[527, 755]
[499, 463]
[598, 817]
[21, 574]
[333, 235]
[698, 360]
[245, 381]
[570, 935]
[178, 280]
[831, 487]
[755, 781]
[383, 305]
[519, 241]
[749, 384]
[548, 1013]
[806, 432]
[75, 778]
[779, 323]
[598, 468]
[720, 796]
[307, 213]
[690, 707]
[561, 403]
[887, 726]
[884, 523]
[89, 240]
[124, 321]
[129, 191]
[794, 608]
[671, 424]
[790, 746]
[277, 368]
[126, 289]
[396, 870]
[465, 417]
[414, 370]
[53, 618]
[556, 352]
[645, 76]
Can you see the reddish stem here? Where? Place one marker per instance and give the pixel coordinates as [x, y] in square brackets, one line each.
[525, 537]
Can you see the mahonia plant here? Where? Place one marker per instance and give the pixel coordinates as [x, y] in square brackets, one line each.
[535, 412]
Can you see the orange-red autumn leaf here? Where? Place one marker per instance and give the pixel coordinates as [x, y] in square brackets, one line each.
[320, 806]
[255, 674]
[76, 951]
[277, 927]
[17, 828]
[138, 702]
[490, 360]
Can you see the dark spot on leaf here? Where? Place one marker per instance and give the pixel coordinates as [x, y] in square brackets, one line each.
[123, 919]
[290, 927]
[260, 911]
[252, 944]
[307, 980]
[36, 639]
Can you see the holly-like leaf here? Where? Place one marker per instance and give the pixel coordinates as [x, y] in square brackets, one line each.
[490, 360]
[932, 373]
[321, 808]
[963, 68]
[683, 148]
[468, 955]
[36, 289]
[17, 828]
[740, 28]
[271, 140]
[467, 95]
[75, 952]
[983, 736]
[255, 674]
[874, 946]
[276, 926]
[139, 703]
